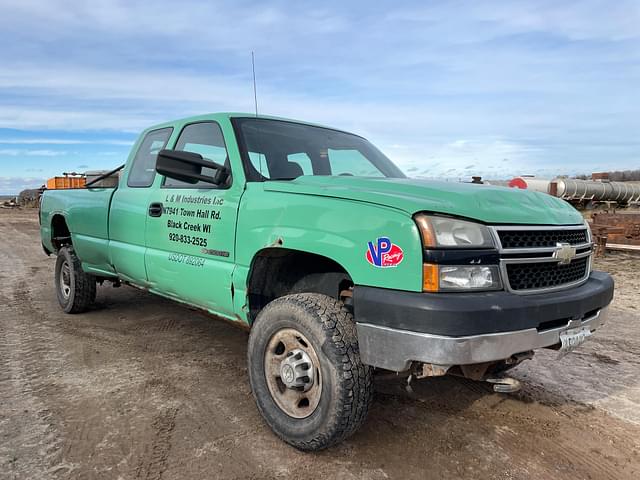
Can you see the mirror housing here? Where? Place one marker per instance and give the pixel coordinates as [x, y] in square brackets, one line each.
[187, 167]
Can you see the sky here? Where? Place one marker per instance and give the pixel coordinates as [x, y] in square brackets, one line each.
[446, 89]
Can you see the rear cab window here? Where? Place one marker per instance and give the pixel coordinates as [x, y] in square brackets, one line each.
[143, 167]
[351, 162]
[303, 161]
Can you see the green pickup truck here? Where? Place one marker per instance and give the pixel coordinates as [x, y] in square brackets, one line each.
[335, 262]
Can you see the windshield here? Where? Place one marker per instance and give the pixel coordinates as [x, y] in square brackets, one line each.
[280, 150]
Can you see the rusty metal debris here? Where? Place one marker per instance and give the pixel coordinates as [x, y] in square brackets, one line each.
[616, 231]
[12, 203]
[476, 371]
[431, 370]
[504, 384]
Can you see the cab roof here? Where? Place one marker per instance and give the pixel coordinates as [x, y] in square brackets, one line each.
[218, 116]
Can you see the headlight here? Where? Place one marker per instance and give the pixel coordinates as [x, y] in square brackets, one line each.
[590, 240]
[461, 278]
[450, 233]
[444, 232]
[589, 233]
[469, 278]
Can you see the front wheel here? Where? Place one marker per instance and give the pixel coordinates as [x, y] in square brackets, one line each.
[76, 290]
[305, 370]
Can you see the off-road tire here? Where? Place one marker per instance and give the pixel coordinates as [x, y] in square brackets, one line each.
[347, 385]
[81, 285]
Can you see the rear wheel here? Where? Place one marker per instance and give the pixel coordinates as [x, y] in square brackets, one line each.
[305, 370]
[75, 289]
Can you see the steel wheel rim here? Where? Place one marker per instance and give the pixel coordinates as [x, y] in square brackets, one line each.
[297, 401]
[65, 280]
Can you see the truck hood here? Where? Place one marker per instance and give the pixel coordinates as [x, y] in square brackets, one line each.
[485, 203]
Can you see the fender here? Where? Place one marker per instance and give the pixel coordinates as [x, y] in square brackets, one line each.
[335, 228]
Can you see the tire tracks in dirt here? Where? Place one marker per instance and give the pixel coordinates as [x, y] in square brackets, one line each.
[154, 460]
[33, 446]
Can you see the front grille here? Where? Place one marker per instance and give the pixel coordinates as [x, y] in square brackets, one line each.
[530, 276]
[541, 238]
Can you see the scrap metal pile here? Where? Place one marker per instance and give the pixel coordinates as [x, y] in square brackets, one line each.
[11, 203]
[616, 231]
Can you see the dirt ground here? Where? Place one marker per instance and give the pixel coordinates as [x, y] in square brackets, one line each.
[143, 388]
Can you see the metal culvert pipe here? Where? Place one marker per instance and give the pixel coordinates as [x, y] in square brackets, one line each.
[621, 192]
[530, 183]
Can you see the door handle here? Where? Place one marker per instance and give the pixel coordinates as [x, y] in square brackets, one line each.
[155, 209]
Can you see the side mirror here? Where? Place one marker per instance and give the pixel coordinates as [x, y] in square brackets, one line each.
[187, 167]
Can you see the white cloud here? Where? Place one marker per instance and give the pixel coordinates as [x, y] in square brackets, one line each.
[14, 185]
[44, 153]
[497, 158]
[32, 153]
[10, 152]
[62, 141]
[575, 20]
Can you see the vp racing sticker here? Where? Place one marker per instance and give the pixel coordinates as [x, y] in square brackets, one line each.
[384, 253]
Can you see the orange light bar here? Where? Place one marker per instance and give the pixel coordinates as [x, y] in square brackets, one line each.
[428, 238]
[430, 277]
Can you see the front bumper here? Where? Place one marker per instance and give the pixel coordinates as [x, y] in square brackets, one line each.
[393, 349]
[396, 328]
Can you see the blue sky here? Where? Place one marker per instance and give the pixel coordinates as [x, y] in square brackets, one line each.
[444, 88]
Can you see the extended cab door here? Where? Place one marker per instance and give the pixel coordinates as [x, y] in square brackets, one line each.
[191, 229]
[129, 205]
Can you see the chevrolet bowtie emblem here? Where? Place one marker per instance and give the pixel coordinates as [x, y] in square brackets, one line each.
[564, 253]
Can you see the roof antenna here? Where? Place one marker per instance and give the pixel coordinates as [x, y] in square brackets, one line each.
[255, 101]
[255, 94]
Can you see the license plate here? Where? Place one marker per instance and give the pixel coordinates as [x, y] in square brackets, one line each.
[573, 338]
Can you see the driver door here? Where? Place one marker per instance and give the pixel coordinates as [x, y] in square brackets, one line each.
[190, 230]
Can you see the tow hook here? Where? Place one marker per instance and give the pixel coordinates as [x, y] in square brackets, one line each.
[504, 384]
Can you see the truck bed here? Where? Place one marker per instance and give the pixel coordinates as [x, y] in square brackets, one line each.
[87, 214]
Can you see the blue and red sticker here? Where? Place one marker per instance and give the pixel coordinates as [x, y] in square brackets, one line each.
[384, 253]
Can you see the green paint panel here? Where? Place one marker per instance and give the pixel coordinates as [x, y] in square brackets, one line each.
[127, 221]
[86, 213]
[485, 203]
[335, 228]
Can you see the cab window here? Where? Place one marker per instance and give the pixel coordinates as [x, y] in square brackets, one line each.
[206, 139]
[143, 168]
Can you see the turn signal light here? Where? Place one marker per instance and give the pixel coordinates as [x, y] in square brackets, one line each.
[430, 278]
[428, 238]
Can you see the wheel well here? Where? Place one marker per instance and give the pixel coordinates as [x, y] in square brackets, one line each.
[276, 272]
[60, 235]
